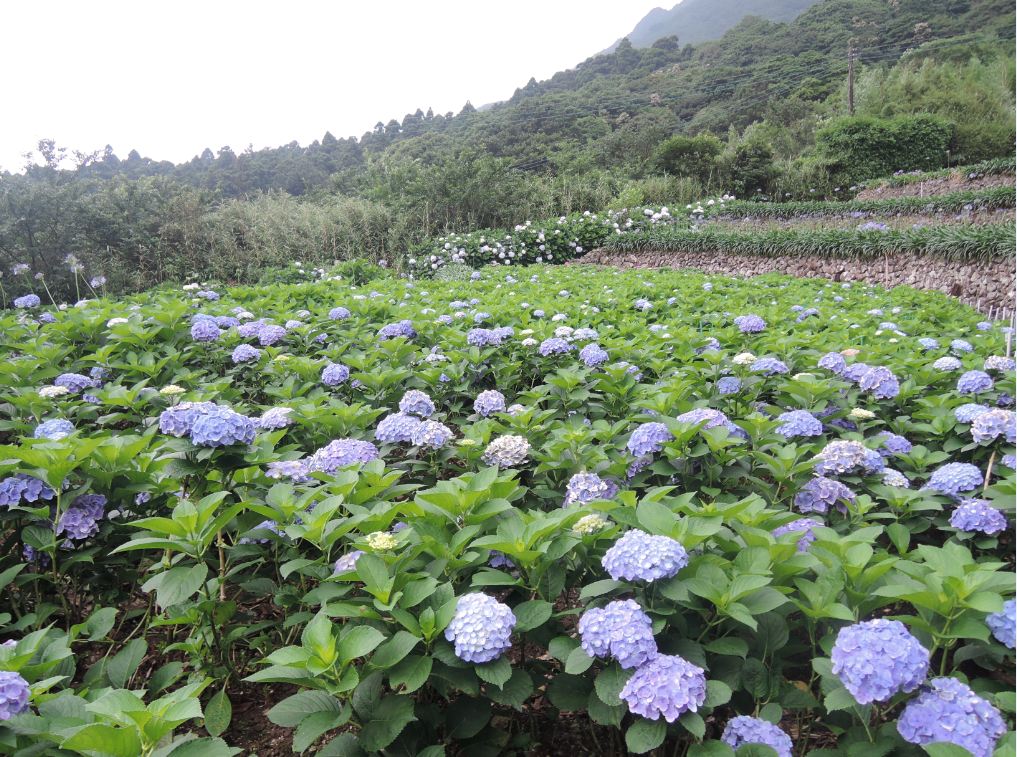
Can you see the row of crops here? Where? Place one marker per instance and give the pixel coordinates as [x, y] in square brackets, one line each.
[549, 509]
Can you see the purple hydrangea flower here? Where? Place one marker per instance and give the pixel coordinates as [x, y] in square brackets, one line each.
[341, 452]
[392, 330]
[397, 427]
[14, 690]
[207, 294]
[54, 429]
[878, 658]
[855, 372]
[768, 366]
[20, 487]
[991, 425]
[432, 434]
[954, 478]
[245, 353]
[266, 525]
[668, 686]
[729, 385]
[820, 494]
[593, 355]
[977, 515]
[481, 628]
[347, 563]
[841, 457]
[221, 427]
[47, 318]
[928, 343]
[833, 361]
[648, 439]
[880, 382]
[179, 419]
[338, 314]
[893, 477]
[801, 526]
[892, 444]
[947, 363]
[947, 710]
[275, 418]
[205, 330]
[554, 346]
[416, 402]
[334, 374]
[270, 334]
[799, 423]
[251, 329]
[960, 345]
[295, 470]
[75, 382]
[968, 412]
[999, 363]
[491, 401]
[638, 556]
[807, 313]
[1010, 461]
[586, 487]
[226, 321]
[620, 630]
[1003, 624]
[77, 523]
[750, 324]
[973, 382]
[743, 729]
[507, 451]
[28, 301]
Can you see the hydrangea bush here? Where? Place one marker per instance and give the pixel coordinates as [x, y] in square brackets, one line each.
[650, 510]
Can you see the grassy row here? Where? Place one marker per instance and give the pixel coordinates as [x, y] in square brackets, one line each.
[960, 243]
[954, 202]
[993, 167]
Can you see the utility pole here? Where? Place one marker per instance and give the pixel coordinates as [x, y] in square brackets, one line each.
[851, 78]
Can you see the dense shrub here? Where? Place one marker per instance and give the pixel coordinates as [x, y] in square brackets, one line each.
[862, 147]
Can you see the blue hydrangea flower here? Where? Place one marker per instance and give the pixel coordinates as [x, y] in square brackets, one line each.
[179, 419]
[334, 374]
[954, 478]
[973, 382]
[14, 690]
[947, 363]
[820, 494]
[880, 382]
[1003, 624]
[999, 363]
[748, 730]
[499, 560]
[768, 366]
[295, 470]
[481, 629]
[47, 318]
[275, 418]
[486, 337]
[226, 322]
[841, 457]
[992, 425]
[554, 346]
[799, 423]
[54, 429]
[77, 523]
[347, 563]
[507, 451]
[620, 630]
[833, 361]
[397, 427]
[962, 346]
[892, 444]
[803, 526]
[855, 371]
[877, 659]
[648, 438]
[491, 401]
[586, 487]
[27, 301]
[593, 355]
[968, 412]
[638, 556]
[270, 334]
[668, 686]
[416, 402]
[750, 324]
[207, 294]
[245, 353]
[977, 515]
[75, 382]
[893, 477]
[205, 330]
[807, 313]
[266, 525]
[432, 434]
[338, 314]
[339, 453]
[220, 427]
[928, 343]
[1010, 461]
[21, 487]
[729, 385]
[403, 328]
[947, 710]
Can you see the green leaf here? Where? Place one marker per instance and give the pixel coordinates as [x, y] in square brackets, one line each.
[656, 518]
[124, 663]
[104, 739]
[290, 711]
[945, 749]
[610, 682]
[359, 642]
[710, 749]
[645, 735]
[693, 722]
[578, 662]
[411, 673]
[204, 747]
[177, 584]
[343, 745]
[900, 536]
[729, 645]
[717, 693]
[218, 713]
[569, 693]
[394, 650]
[496, 673]
[513, 692]
[314, 725]
[530, 615]
[387, 721]
[839, 699]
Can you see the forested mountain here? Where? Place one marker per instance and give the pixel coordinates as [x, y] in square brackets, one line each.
[695, 21]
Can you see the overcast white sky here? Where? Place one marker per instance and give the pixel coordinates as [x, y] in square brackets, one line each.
[171, 78]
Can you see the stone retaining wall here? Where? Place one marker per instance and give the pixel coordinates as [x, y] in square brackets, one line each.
[984, 285]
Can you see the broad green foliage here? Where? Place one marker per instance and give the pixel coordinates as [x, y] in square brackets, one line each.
[863, 147]
[333, 593]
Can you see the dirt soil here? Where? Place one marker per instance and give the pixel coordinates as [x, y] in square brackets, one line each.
[953, 183]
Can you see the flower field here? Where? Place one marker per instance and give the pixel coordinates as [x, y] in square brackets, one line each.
[545, 510]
